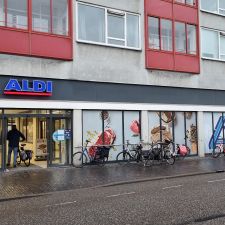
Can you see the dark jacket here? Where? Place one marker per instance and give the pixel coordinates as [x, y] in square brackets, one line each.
[13, 136]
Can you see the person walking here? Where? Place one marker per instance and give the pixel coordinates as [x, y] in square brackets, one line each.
[13, 136]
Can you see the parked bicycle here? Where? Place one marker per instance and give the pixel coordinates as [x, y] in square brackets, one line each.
[218, 150]
[24, 155]
[83, 157]
[130, 153]
[160, 151]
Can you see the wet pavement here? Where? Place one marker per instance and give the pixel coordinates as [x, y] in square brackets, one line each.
[18, 183]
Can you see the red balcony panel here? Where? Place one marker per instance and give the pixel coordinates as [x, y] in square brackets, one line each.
[159, 8]
[185, 63]
[185, 14]
[14, 41]
[51, 46]
[156, 60]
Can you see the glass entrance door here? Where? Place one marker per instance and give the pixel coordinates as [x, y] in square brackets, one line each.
[61, 136]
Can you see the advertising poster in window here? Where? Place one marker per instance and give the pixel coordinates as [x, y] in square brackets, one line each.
[132, 128]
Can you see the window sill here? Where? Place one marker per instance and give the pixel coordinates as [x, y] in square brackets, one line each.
[212, 59]
[186, 5]
[108, 45]
[210, 12]
[157, 50]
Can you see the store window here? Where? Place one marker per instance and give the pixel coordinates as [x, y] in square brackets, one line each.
[179, 127]
[111, 128]
[14, 13]
[213, 6]
[108, 26]
[50, 16]
[211, 48]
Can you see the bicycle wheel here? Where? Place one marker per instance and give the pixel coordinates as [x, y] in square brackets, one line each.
[170, 158]
[18, 160]
[79, 159]
[147, 162]
[27, 162]
[216, 152]
[123, 157]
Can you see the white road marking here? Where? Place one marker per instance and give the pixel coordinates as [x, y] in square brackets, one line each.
[177, 186]
[63, 203]
[212, 181]
[111, 196]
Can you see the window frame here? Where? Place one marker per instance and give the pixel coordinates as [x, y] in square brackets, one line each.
[160, 34]
[215, 13]
[174, 36]
[29, 28]
[219, 34]
[106, 9]
[186, 4]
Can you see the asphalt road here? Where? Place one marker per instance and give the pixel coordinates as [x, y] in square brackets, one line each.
[181, 201]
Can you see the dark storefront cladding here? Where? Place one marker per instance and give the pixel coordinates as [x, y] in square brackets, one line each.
[73, 90]
[102, 127]
[48, 134]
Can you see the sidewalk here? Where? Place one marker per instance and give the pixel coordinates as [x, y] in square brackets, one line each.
[17, 183]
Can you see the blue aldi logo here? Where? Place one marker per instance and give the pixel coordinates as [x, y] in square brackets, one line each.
[25, 87]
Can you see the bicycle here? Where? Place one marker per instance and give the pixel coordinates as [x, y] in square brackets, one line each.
[160, 151]
[218, 150]
[24, 155]
[83, 157]
[128, 154]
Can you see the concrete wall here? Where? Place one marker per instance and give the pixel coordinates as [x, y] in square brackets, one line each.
[108, 64]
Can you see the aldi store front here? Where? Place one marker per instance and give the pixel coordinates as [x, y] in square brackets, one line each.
[57, 116]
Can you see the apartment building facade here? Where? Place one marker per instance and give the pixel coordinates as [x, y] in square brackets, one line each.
[111, 71]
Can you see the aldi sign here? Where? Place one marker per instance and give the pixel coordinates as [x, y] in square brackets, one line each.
[26, 87]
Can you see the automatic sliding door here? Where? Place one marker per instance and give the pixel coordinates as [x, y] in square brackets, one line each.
[61, 141]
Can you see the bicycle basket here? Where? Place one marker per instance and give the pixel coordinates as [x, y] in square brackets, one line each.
[102, 152]
[29, 154]
[145, 153]
[23, 155]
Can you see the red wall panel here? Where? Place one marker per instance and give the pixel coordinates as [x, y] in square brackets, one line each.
[156, 60]
[14, 41]
[51, 46]
[159, 8]
[186, 63]
[186, 14]
[171, 61]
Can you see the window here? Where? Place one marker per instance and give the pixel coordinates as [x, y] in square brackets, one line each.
[166, 35]
[153, 29]
[160, 33]
[2, 13]
[185, 38]
[160, 39]
[187, 2]
[222, 46]
[106, 26]
[50, 16]
[191, 39]
[180, 37]
[41, 16]
[16, 13]
[214, 6]
[210, 44]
